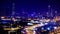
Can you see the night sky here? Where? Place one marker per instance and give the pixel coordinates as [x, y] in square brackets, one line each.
[30, 6]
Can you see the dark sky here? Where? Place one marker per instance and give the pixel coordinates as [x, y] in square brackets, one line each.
[28, 6]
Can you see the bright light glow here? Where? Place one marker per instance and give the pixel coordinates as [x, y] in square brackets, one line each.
[41, 24]
[55, 27]
[12, 28]
[2, 17]
[46, 23]
[36, 22]
[29, 23]
[48, 28]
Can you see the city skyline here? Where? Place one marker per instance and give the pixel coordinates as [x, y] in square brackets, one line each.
[38, 6]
